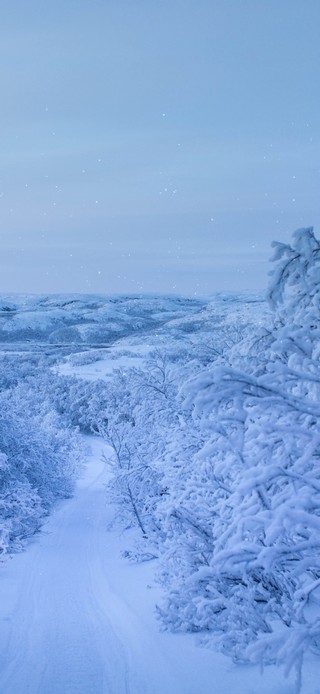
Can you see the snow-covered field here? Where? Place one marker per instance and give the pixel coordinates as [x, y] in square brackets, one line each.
[159, 490]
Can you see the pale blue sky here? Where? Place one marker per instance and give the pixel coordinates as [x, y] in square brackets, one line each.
[155, 145]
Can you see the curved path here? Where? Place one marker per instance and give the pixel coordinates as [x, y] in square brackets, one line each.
[63, 629]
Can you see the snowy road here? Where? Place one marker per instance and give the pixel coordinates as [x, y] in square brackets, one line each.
[63, 629]
[65, 641]
[75, 619]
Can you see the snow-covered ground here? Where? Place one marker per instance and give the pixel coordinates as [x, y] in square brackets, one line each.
[76, 618]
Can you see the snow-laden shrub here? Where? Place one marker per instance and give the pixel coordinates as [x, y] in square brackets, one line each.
[39, 458]
[138, 421]
[79, 403]
[88, 357]
[243, 538]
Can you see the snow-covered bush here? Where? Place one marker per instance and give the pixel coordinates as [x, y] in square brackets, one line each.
[87, 357]
[79, 403]
[138, 422]
[39, 457]
[243, 538]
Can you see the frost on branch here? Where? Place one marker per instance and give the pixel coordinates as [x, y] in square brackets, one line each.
[294, 290]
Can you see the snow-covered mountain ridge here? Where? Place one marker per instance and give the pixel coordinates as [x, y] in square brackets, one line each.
[94, 319]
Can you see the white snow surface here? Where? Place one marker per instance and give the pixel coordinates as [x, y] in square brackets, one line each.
[76, 618]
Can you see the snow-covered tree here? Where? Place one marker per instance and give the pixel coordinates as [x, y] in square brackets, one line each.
[136, 427]
[243, 550]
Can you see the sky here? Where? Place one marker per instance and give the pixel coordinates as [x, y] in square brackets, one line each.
[155, 146]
